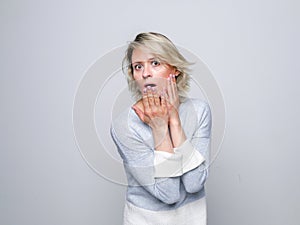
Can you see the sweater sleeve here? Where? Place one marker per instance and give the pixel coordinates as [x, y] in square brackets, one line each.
[138, 160]
[194, 179]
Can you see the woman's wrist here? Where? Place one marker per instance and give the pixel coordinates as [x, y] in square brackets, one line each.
[162, 139]
[177, 134]
[163, 142]
[174, 120]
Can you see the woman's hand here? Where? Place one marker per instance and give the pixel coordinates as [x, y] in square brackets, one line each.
[176, 130]
[155, 114]
[172, 100]
[155, 111]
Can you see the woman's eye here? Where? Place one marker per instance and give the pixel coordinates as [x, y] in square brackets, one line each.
[155, 63]
[138, 67]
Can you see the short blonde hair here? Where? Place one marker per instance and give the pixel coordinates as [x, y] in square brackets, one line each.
[162, 48]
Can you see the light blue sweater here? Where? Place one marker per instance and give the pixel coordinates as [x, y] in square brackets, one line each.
[135, 145]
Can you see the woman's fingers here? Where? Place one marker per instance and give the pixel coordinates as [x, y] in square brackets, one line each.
[155, 112]
[146, 102]
[151, 98]
[169, 89]
[172, 85]
[156, 98]
[163, 99]
[154, 103]
[172, 91]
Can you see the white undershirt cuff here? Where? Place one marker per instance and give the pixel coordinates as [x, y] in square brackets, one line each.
[184, 159]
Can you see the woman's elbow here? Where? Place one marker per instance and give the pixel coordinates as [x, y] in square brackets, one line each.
[193, 185]
[194, 188]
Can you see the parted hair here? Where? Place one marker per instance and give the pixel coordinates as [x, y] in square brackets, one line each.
[164, 50]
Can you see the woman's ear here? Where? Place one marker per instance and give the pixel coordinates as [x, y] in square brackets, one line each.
[177, 73]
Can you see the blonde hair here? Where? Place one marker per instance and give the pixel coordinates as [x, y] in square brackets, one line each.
[162, 48]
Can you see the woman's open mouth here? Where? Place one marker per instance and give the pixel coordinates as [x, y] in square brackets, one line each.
[149, 85]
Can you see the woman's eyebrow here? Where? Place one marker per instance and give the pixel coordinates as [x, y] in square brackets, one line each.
[136, 62]
[144, 61]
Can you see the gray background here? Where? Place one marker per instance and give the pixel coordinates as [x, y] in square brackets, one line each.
[252, 48]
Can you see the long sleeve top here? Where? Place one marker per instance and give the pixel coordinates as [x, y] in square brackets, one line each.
[165, 187]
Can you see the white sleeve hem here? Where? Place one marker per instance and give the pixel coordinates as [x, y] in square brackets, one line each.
[167, 164]
[191, 158]
[184, 159]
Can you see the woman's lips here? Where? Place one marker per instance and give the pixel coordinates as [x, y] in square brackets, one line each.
[149, 85]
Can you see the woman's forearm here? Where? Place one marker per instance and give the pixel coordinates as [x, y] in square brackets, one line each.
[162, 140]
[177, 132]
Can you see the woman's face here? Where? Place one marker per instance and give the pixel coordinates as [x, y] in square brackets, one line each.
[148, 71]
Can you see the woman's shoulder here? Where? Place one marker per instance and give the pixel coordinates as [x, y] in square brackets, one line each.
[197, 104]
[124, 118]
[127, 123]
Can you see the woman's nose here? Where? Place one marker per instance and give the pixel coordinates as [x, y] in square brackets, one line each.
[147, 72]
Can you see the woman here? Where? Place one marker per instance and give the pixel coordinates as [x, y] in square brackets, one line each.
[163, 138]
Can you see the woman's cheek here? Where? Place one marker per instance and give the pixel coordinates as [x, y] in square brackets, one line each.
[138, 81]
[140, 84]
